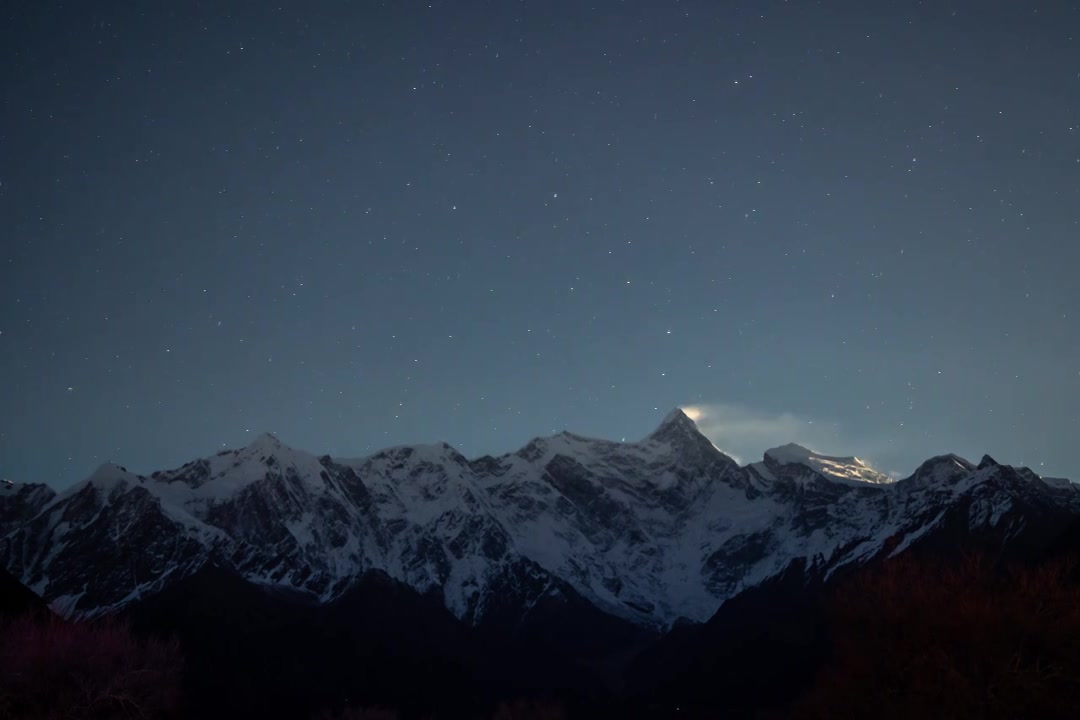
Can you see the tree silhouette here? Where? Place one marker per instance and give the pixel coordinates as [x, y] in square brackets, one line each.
[52, 669]
[918, 638]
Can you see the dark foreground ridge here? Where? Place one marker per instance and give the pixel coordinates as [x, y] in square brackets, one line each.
[980, 634]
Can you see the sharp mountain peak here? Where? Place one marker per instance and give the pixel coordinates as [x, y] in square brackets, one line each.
[676, 424]
[266, 441]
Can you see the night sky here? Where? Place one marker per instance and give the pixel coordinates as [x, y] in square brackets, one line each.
[850, 223]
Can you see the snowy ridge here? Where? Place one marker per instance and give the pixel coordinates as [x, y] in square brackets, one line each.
[837, 469]
[652, 531]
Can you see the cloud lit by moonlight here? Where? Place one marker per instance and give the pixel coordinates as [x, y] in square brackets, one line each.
[745, 434]
[693, 412]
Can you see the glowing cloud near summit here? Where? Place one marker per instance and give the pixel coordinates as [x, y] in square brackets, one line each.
[693, 412]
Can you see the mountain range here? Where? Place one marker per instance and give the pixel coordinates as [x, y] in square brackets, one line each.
[653, 532]
[589, 563]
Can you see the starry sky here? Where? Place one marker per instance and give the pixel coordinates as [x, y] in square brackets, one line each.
[849, 223]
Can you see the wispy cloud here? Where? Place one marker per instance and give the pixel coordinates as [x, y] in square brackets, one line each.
[746, 433]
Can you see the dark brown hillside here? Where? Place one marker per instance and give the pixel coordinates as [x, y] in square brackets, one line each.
[974, 638]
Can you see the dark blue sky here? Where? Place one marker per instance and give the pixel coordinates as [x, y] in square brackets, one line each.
[851, 223]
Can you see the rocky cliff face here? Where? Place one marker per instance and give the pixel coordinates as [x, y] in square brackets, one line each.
[650, 532]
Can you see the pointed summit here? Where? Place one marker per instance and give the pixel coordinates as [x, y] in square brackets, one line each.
[948, 464]
[790, 454]
[265, 444]
[675, 426]
[678, 427]
[107, 469]
[677, 418]
[267, 437]
[680, 436]
[946, 468]
[107, 477]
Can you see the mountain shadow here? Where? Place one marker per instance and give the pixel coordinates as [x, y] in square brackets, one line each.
[758, 653]
[259, 652]
[16, 599]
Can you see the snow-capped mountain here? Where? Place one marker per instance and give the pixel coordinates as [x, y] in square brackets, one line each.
[652, 531]
[849, 470]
